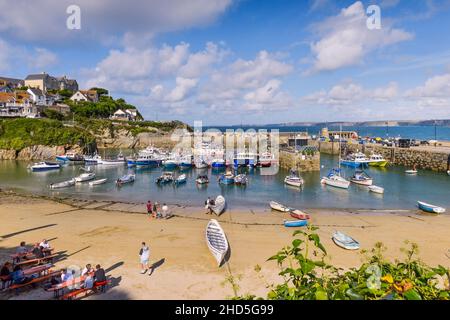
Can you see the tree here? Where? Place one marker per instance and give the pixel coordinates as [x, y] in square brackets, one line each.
[100, 91]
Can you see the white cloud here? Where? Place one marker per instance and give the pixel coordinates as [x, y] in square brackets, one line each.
[434, 93]
[46, 19]
[345, 39]
[349, 94]
[42, 58]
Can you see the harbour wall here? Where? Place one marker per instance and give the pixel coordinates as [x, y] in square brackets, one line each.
[408, 157]
[37, 152]
[326, 147]
[298, 161]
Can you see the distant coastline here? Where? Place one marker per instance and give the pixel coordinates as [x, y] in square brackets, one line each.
[378, 123]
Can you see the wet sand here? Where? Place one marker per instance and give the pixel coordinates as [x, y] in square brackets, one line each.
[110, 234]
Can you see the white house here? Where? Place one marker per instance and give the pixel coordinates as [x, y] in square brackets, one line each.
[132, 114]
[85, 95]
[120, 115]
[37, 96]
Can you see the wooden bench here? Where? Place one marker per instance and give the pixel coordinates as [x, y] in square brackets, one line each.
[35, 281]
[37, 260]
[73, 294]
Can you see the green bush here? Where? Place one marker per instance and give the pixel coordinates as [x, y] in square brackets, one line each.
[308, 277]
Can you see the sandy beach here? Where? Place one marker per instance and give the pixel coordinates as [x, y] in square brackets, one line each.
[110, 234]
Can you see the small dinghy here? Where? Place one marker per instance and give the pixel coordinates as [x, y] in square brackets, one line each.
[429, 207]
[166, 177]
[294, 180]
[376, 189]
[362, 178]
[241, 179]
[219, 205]
[411, 172]
[180, 179]
[97, 182]
[64, 184]
[296, 223]
[202, 180]
[279, 207]
[129, 178]
[88, 176]
[217, 241]
[298, 214]
[344, 241]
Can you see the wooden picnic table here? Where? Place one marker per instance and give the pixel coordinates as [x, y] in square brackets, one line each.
[37, 269]
[59, 288]
[27, 255]
[40, 279]
[37, 260]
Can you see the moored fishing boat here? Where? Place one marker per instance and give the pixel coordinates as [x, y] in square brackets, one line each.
[334, 179]
[217, 241]
[279, 207]
[296, 223]
[128, 178]
[227, 178]
[93, 159]
[344, 241]
[203, 179]
[266, 159]
[201, 164]
[298, 214]
[98, 182]
[429, 207]
[246, 159]
[185, 162]
[63, 184]
[75, 157]
[362, 178]
[170, 163]
[166, 177]
[377, 160]
[88, 176]
[241, 179]
[376, 189]
[218, 163]
[293, 179]
[219, 205]
[45, 166]
[355, 160]
[180, 179]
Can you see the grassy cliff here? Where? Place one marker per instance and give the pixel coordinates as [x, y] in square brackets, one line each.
[20, 133]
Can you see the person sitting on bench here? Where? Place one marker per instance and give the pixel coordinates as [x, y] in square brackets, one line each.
[22, 249]
[45, 247]
[99, 276]
[6, 269]
[88, 269]
[88, 282]
[37, 251]
[66, 275]
[18, 276]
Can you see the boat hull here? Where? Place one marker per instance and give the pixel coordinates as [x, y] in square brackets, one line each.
[353, 164]
[335, 183]
[296, 223]
[430, 208]
[367, 182]
[217, 241]
[378, 163]
[279, 207]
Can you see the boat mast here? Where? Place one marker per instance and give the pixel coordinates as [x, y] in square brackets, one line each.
[340, 135]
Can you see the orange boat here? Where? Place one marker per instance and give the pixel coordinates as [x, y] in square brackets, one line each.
[300, 215]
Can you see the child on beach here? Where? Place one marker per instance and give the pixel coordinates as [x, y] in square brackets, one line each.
[149, 209]
[144, 255]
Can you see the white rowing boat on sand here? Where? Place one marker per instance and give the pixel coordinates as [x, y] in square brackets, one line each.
[219, 205]
[279, 207]
[344, 241]
[217, 241]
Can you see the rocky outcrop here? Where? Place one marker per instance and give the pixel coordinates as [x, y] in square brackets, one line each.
[39, 153]
[125, 139]
[8, 154]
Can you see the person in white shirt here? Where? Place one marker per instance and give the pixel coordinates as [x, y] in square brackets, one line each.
[144, 255]
[165, 210]
[86, 270]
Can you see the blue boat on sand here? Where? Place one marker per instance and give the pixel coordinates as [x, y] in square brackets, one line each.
[296, 223]
[429, 207]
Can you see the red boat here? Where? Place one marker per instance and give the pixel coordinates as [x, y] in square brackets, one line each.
[300, 215]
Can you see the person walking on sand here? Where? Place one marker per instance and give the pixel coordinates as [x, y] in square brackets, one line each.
[208, 205]
[155, 209]
[144, 255]
[149, 209]
[165, 210]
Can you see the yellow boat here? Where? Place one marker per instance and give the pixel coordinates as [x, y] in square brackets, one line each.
[377, 160]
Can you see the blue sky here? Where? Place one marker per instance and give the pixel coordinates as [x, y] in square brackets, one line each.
[247, 61]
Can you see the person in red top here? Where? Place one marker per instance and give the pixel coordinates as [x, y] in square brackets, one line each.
[149, 209]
